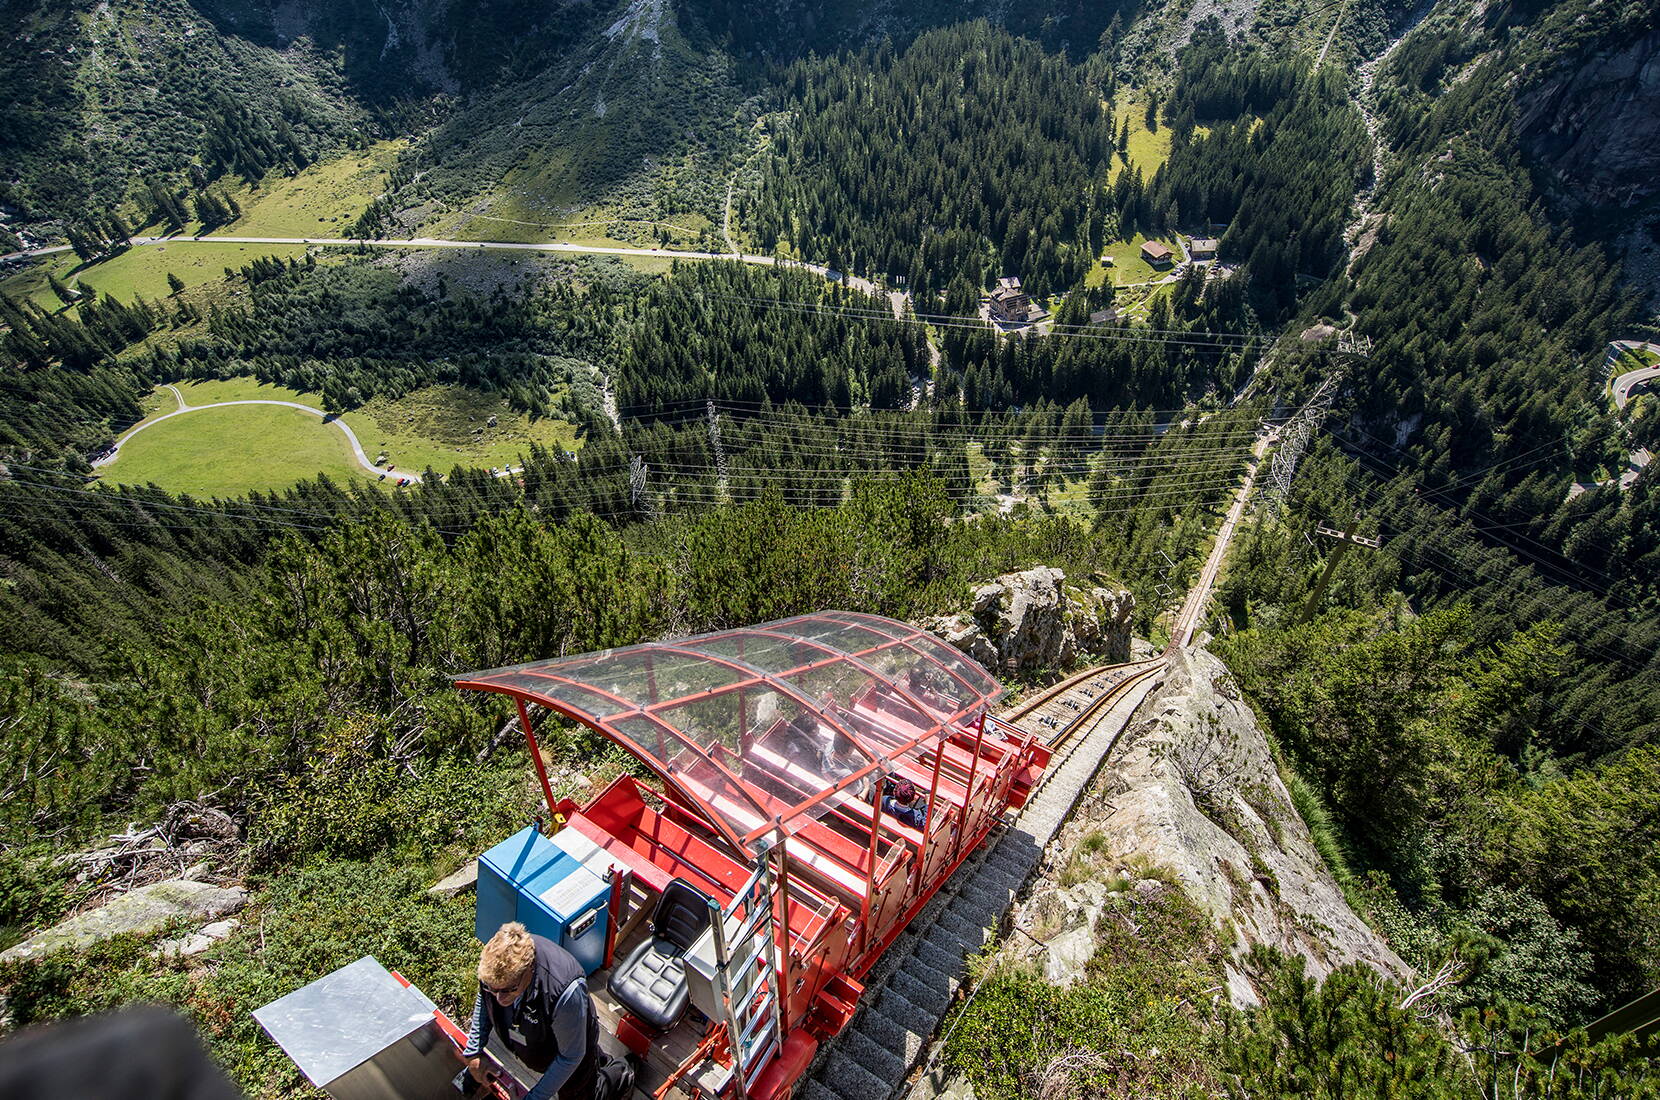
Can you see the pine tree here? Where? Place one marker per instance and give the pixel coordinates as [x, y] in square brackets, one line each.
[65, 295]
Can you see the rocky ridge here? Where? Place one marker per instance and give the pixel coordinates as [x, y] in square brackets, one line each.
[1190, 797]
[1034, 619]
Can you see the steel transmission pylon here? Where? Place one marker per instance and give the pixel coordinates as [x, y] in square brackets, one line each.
[1296, 434]
[637, 495]
[720, 452]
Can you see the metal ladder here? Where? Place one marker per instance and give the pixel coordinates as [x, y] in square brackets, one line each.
[747, 976]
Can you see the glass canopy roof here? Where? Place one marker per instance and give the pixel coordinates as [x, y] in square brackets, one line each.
[765, 725]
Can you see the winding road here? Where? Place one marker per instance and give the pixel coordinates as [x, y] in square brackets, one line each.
[1631, 379]
[1621, 388]
[351, 437]
[436, 242]
[898, 299]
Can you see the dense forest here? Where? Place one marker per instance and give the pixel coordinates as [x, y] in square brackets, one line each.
[95, 99]
[1467, 714]
[1283, 155]
[1504, 641]
[350, 330]
[997, 169]
[1004, 165]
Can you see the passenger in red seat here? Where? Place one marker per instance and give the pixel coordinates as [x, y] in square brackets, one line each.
[842, 759]
[904, 802]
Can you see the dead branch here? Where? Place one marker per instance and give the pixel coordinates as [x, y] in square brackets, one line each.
[1451, 973]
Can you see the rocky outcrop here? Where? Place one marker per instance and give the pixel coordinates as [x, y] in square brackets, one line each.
[1595, 122]
[459, 882]
[189, 946]
[1190, 797]
[141, 912]
[1034, 619]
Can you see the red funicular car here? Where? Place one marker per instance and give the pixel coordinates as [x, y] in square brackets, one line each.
[739, 899]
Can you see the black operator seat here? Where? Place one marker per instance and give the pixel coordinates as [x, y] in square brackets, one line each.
[651, 982]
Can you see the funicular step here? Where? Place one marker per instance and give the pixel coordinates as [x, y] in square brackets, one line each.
[938, 958]
[1015, 854]
[931, 996]
[997, 876]
[968, 927]
[847, 1079]
[901, 1009]
[976, 892]
[930, 976]
[945, 939]
[895, 1035]
[876, 1057]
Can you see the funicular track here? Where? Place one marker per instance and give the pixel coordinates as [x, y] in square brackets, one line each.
[912, 987]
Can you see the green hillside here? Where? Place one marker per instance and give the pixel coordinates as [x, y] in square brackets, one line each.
[121, 90]
[1386, 824]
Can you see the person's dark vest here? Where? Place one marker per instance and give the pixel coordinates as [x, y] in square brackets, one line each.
[529, 1032]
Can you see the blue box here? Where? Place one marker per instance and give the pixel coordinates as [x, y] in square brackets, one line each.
[530, 879]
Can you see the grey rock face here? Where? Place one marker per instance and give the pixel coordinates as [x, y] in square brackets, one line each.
[1596, 123]
[185, 947]
[1194, 789]
[142, 911]
[1034, 619]
[1191, 790]
[456, 882]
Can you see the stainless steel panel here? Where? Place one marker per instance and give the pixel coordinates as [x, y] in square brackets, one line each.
[343, 1020]
[419, 1066]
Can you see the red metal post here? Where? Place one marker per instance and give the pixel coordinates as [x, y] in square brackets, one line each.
[535, 753]
[870, 862]
[619, 884]
[934, 784]
[973, 766]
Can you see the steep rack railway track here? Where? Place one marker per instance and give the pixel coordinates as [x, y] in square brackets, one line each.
[910, 991]
[913, 986]
[1060, 710]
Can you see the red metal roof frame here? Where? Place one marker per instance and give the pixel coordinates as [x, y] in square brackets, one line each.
[562, 695]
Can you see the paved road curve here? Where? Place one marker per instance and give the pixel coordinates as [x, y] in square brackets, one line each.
[1625, 383]
[351, 437]
[1622, 387]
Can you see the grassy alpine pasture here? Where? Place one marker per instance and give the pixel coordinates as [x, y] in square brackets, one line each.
[447, 426]
[143, 269]
[232, 451]
[1127, 265]
[1148, 149]
[321, 201]
[242, 448]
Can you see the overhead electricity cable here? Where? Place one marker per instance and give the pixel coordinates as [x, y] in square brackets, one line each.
[879, 313]
[1129, 336]
[1426, 539]
[1562, 567]
[1559, 447]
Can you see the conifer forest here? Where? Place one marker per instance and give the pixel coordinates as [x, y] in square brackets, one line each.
[348, 348]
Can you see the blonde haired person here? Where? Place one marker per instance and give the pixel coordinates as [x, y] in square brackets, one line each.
[533, 996]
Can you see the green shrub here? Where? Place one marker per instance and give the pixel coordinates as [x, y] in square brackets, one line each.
[1133, 1026]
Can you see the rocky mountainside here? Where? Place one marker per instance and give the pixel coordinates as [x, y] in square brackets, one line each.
[1594, 122]
[93, 97]
[396, 49]
[1190, 797]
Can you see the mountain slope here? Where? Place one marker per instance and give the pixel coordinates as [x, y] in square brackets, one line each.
[94, 95]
